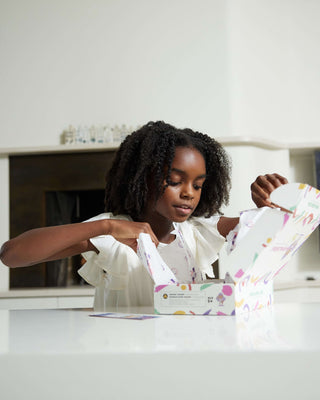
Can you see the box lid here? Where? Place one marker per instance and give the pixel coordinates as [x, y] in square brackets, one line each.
[266, 238]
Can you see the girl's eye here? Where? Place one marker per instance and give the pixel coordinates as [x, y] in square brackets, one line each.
[197, 187]
[171, 183]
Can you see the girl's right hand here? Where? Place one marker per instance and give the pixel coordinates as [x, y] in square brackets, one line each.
[127, 232]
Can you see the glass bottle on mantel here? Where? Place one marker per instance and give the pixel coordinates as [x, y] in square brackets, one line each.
[99, 134]
[116, 131]
[93, 135]
[69, 135]
[80, 135]
[108, 134]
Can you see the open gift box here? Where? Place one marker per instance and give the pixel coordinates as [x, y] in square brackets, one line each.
[258, 249]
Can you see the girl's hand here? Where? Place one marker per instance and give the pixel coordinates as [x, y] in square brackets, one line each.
[262, 187]
[128, 232]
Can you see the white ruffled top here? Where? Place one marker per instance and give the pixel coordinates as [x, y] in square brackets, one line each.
[120, 278]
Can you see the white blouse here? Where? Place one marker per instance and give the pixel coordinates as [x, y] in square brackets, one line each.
[120, 278]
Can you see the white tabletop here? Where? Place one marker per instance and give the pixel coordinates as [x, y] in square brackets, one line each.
[50, 354]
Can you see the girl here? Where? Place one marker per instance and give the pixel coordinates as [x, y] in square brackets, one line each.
[170, 183]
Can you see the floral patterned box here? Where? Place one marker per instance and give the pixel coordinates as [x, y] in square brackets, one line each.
[210, 298]
[258, 249]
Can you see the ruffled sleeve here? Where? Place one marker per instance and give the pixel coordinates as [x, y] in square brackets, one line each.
[204, 240]
[113, 258]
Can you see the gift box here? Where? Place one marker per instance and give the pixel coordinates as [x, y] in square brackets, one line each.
[258, 249]
[211, 298]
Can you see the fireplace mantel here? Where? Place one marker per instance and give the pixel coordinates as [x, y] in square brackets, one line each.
[294, 148]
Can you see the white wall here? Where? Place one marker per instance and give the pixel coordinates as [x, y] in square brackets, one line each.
[274, 63]
[226, 67]
[107, 61]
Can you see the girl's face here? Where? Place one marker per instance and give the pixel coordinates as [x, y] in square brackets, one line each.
[183, 189]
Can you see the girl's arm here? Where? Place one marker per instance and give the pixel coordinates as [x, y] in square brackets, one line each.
[56, 242]
[261, 189]
[226, 224]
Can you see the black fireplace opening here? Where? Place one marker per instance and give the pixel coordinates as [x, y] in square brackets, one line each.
[54, 189]
[67, 207]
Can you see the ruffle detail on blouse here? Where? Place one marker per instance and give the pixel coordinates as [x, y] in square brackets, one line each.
[113, 259]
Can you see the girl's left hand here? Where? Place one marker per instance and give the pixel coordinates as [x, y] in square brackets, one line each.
[263, 186]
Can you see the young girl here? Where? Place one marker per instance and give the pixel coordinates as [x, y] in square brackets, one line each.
[170, 183]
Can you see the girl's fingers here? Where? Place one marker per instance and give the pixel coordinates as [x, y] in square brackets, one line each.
[129, 231]
[263, 186]
[130, 242]
[144, 227]
[275, 180]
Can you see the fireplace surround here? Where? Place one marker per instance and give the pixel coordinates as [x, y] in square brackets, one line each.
[54, 189]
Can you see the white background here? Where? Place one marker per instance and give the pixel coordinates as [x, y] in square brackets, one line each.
[225, 67]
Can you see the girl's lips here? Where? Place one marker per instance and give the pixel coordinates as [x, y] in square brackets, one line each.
[183, 210]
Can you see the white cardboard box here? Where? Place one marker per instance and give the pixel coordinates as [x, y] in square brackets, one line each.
[259, 247]
[211, 298]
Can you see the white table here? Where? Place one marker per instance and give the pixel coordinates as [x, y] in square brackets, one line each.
[66, 354]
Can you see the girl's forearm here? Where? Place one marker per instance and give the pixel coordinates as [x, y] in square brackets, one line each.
[49, 243]
[56, 242]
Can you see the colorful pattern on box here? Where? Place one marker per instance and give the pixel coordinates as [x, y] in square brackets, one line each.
[194, 299]
[260, 247]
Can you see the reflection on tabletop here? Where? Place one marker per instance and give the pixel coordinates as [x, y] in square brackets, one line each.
[283, 327]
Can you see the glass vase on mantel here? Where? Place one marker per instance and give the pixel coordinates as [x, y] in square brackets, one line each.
[104, 134]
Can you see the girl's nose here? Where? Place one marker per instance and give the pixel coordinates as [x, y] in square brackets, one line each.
[187, 192]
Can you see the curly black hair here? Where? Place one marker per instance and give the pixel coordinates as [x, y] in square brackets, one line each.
[144, 160]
